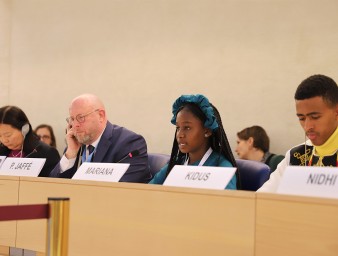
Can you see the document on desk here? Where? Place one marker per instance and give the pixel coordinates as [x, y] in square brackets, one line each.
[200, 176]
[111, 172]
[14, 166]
[310, 181]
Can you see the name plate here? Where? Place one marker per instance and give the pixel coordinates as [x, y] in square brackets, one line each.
[310, 181]
[210, 177]
[14, 166]
[2, 159]
[101, 171]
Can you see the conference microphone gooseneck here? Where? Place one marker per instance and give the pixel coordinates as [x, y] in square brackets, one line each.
[34, 151]
[129, 155]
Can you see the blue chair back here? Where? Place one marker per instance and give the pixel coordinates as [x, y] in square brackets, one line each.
[157, 161]
[253, 174]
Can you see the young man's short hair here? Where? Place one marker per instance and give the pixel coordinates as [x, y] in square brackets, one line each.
[318, 85]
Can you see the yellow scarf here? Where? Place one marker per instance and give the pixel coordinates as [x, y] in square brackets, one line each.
[329, 147]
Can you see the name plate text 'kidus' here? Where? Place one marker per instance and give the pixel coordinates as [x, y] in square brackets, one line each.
[200, 176]
[101, 171]
[14, 166]
[310, 181]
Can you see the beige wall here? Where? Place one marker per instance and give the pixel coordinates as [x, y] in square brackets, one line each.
[5, 37]
[247, 56]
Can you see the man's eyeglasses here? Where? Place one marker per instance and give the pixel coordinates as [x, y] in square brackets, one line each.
[80, 117]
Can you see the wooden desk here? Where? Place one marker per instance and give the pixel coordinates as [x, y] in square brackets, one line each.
[141, 219]
[292, 225]
[9, 195]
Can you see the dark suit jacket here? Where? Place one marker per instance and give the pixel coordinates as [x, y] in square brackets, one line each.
[115, 143]
[38, 149]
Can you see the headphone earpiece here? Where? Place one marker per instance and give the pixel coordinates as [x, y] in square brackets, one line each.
[25, 129]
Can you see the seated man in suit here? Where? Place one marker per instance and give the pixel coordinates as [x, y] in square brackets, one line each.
[88, 128]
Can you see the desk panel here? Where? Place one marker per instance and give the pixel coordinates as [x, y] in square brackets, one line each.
[292, 225]
[9, 190]
[140, 219]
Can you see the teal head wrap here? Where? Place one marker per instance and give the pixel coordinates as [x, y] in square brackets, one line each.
[204, 105]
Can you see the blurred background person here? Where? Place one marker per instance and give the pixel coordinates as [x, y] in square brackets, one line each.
[18, 139]
[253, 143]
[46, 134]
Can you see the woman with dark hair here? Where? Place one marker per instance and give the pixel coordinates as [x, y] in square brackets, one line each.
[253, 144]
[18, 140]
[46, 134]
[199, 140]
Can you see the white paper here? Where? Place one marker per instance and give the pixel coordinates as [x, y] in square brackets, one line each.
[2, 159]
[101, 171]
[14, 166]
[310, 181]
[200, 176]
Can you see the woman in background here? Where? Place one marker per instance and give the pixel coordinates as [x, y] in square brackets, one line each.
[253, 144]
[46, 134]
[18, 140]
[199, 140]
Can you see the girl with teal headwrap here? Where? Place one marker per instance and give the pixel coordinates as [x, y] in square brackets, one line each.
[199, 138]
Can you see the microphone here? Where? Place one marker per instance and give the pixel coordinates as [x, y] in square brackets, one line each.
[34, 151]
[129, 155]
